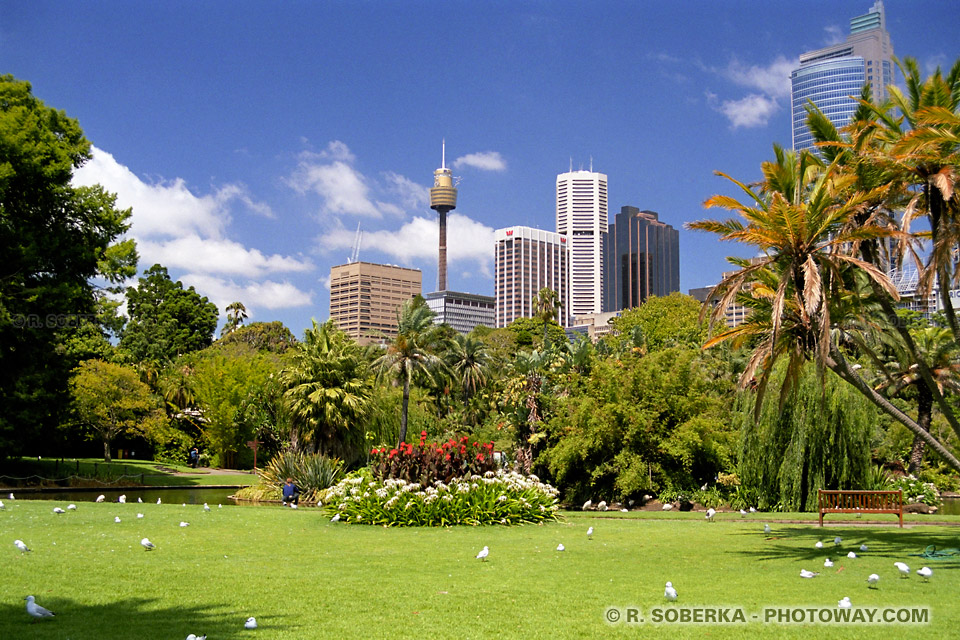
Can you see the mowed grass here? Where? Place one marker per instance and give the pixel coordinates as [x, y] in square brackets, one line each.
[304, 577]
[126, 472]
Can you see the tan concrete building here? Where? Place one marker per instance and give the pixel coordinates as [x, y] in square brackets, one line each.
[365, 298]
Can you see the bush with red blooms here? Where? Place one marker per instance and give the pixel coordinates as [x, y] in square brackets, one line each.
[425, 462]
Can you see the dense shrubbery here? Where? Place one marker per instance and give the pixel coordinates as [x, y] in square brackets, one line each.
[493, 498]
[312, 473]
[917, 491]
[424, 463]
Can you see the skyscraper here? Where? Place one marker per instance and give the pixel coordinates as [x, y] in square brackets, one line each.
[641, 259]
[525, 261]
[582, 219]
[365, 298]
[443, 200]
[830, 76]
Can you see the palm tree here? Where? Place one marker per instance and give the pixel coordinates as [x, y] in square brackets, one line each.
[802, 221]
[939, 351]
[407, 357]
[467, 359]
[545, 308]
[327, 388]
[236, 314]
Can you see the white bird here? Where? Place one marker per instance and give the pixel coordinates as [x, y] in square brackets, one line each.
[140, 500]
[863, 547]
[206, 507]
[36, 610]
[704, 487]
[139, 515]
[116, 518]
[184, 504]
[184, 524]
[837, 541]
[819, 544]
[587, 504]
[158, 500]
[292, 506]
[122, 499]
[602, 505]
[11, 497]
[925, 573]
[667, 507]
[71, 507]
[1, 505]
[808, 574]
[149, 546]
[766, 528]
[58, 510]
[251, 623]
[710, 513]
[219, 506]
[752, 510]
[100, 498]
[193, 637]
[743, 513]
[669, 592]
[20, 545]
[873, 579]
[851, 555]
[482, 556]
[590, 533]
[845, 603]
[335, 518]
[828, 563]
[560, 547]
[903, 569]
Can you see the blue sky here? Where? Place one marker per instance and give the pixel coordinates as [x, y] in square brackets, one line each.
[252, 137]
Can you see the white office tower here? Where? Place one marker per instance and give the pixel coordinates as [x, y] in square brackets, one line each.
[582, 219]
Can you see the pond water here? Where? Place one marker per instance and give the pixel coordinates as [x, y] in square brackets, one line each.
[178, 495]
[950, 506]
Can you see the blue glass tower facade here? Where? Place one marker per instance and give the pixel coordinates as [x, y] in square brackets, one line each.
[641, 259]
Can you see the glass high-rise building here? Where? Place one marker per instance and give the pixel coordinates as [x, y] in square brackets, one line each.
[525, 261]
[582, 219]
[832, 77]
[642, 259]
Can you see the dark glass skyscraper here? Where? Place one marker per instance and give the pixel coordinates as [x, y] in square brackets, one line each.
[641, 259]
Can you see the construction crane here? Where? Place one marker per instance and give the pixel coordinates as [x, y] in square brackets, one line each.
[355, 253]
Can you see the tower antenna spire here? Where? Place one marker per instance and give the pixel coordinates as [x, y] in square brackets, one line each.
[443, 153]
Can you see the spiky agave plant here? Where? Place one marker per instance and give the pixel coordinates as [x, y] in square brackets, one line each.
[312, 473]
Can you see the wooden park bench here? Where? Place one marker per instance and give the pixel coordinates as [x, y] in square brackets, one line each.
[860, 502]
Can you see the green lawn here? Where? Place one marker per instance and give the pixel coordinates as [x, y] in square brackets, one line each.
[304, 577]
[123, 472]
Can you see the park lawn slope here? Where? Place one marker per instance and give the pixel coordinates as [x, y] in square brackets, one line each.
[304, 577]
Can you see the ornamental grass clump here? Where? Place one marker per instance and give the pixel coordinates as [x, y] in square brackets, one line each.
[426, 462]
[496, 497]
[312, 473]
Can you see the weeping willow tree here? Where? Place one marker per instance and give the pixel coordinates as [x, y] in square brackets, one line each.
[818, 438]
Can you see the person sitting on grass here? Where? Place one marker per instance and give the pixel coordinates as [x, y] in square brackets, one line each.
[291, 494]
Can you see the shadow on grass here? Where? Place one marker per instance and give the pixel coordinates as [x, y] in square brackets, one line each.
[899, 545]
[133, 618]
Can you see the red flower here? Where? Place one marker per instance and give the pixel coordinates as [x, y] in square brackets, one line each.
[476, 444]
[447, 457]
[393, 452]
[374, 452]
[463, 449]
[489, 446]
[423, 434]
[440, 451]
[480, 457]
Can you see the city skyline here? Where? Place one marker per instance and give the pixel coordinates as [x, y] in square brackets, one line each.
[251, 139]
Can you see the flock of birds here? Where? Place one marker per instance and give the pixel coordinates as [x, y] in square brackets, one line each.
[40, 613]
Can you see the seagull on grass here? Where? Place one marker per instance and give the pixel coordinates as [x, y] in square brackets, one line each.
[140, 500]
[837, 541]
[36, 610]
[58, 510]
[71, 507]
[710, 513]
[925, 573]
[872, 580]
[863, 548]
[20, 545]
[766, 528]
[116, 519]
[1, 505]
[193, 637]
[590, 533]
[122, 499]
[184, 524]
[808, 574]
[139, 515]
[743, 513]
[158, 500]
[335, 518]
[11, 496]
[587, 504]
[560, 547]
[251, 623]
[669, 592]
[146, 544]
[903, 569]
[482, 556]
[100, 498]
[819, 544]
[845, 603]
[752, 510]
[206, 507]
[851, 555]
[828, 563]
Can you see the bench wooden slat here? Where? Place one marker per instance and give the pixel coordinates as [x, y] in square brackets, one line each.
[844, 501]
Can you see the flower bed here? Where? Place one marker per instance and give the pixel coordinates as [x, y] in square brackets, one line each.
[424, 463]
[492, 498]
[915, 491]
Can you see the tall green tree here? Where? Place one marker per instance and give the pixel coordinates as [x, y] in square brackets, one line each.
[408, 357]
[109, 400]
[662, 321]
[327, 389]
[54, 238]
[166, 320]
[236, 314]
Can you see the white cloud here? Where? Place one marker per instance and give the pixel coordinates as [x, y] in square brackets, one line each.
[773, 79]
[184, 231]
[411, 195]
[835, 35]
[417, 240]
[752, 111]
[263, 295]
[485, 161]
[219, 256]
[343, 190]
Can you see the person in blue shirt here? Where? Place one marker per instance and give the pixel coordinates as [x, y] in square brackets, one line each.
[291, 495]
